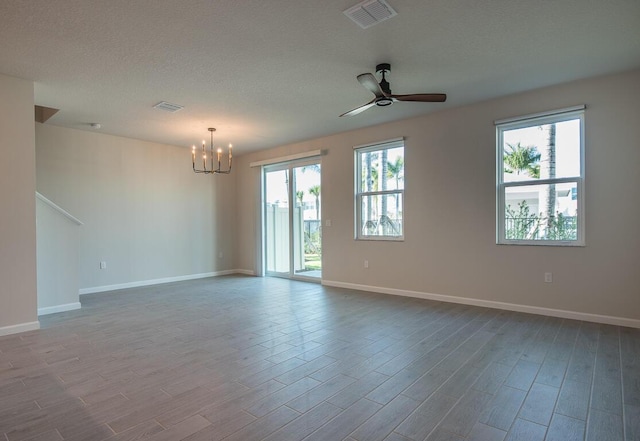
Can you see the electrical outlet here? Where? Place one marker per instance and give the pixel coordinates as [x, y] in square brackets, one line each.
[327, 223]
[103, 265]
[366, 264]
[220, 255]
[548, 277]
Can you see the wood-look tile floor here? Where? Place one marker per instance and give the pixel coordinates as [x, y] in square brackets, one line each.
[243, 358]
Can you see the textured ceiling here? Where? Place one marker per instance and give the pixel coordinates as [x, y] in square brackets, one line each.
[271, 72]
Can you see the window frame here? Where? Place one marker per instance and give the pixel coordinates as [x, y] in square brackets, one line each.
[359, 193]
[556, 116]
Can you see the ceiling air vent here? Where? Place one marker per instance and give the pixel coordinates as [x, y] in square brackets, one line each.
[370, 12]
[163, 105]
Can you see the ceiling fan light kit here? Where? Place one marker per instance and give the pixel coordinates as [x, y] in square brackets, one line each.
[383, 95]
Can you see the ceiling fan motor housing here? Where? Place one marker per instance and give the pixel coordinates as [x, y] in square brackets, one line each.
[383, 67]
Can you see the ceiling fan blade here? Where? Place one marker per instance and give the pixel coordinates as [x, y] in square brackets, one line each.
[360, 109]
[369, 81]
[421, 97]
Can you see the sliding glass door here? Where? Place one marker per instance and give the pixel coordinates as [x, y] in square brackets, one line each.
[292, 220]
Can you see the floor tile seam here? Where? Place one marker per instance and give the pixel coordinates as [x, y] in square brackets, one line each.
[201, 407]
[516, 414]
[568, 416]
[161, 389]
[295, 342]
[593, 376]
[537, 323]
[155, 419]
[108, 424]
[440, 328]
[382, 406]
[547, 357]
[449, 377]
[622, 394]
[276, 391]
[465, 362]
[426, 351]
[337, 364]
[497, 316]
[608, 413]
[308, 374]
[600, 409]
[546, 427]
[236, 417]
[555, 403]
[453, 406]
[238, 380]
[327, 398]
[59, 434]
[416, 410]
[569, 360]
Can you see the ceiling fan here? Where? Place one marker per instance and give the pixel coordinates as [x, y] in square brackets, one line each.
[383, 94]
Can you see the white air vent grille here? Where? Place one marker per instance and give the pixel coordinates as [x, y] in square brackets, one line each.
[169, 107]
[369, 12]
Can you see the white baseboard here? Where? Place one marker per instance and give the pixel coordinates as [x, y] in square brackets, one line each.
[246, 272]
[59, 308]
[22, 327]
[575, 315]
[96, 289]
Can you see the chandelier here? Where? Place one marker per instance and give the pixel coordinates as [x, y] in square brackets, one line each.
[204, 168]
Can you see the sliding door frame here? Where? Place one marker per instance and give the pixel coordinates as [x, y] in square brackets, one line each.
[289, 166]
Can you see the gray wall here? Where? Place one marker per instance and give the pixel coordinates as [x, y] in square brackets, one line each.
[18, 207]
[450, 171]
[144, 210]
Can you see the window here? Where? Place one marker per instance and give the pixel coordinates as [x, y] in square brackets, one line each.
[379, 188]
[540, 186]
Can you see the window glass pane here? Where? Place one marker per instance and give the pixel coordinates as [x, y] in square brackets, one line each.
[394, 173]
[382, 169]
[277, 220]
[367, 165]
[381, 215]
[541, 212]
[542, 151]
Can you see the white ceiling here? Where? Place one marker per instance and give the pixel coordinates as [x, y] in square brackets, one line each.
[272, 72]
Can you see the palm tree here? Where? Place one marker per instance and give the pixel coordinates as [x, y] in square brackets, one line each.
[315, 191]
[312, 167]
[549, 172]
[300, 196]
[520, 158]
[395, 171]
[370, 175]
[383, 214]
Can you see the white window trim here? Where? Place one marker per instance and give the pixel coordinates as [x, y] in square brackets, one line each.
[570, 113]
[380, 145]
[285, 159]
